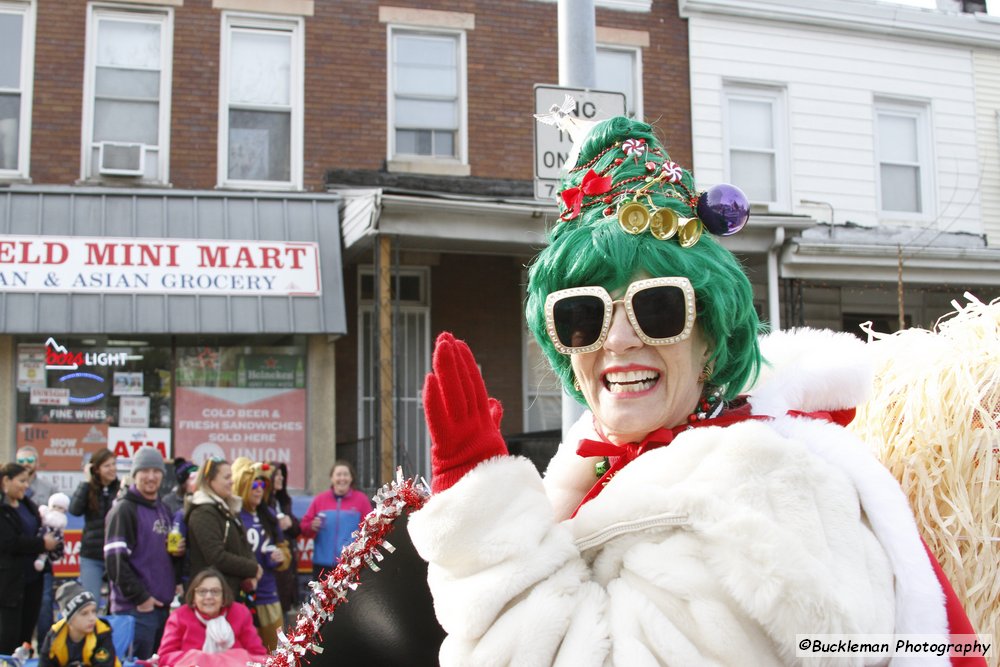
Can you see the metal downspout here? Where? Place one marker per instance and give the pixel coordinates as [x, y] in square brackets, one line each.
[773, 274]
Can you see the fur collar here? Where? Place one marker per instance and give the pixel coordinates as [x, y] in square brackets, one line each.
[811, 369]
[203, 497]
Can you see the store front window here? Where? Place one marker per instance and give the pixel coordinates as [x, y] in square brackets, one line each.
[187, 396]
[75, 393]
[243, 400]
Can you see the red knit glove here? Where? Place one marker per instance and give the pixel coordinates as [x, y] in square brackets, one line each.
[464, 422]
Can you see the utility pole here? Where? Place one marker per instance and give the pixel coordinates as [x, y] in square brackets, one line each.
[577, 69]
[577, 43]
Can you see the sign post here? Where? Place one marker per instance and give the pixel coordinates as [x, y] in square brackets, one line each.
[552, 145]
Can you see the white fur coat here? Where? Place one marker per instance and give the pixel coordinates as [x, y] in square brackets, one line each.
[715, 550]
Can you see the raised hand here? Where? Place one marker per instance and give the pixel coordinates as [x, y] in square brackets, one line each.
[463, 420]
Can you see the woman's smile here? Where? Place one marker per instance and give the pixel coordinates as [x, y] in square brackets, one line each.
[631, 381]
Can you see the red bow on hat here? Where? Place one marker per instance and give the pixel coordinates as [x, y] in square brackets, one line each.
[592, 184]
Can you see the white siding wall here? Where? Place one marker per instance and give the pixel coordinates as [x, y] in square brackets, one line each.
[987, 68]
[832, 79]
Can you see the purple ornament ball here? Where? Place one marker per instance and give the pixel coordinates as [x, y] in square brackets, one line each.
[723, 209]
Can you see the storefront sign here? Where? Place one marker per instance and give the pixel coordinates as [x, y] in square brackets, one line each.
[69, 565]
[125, 442]
[30, 367]
[99, 265]
[133, 411]
[77, 414]
[62, 446]
[127, 384]
[59, 357]
[261, 424]
[271, 370]
[44, 396]
[304, 554]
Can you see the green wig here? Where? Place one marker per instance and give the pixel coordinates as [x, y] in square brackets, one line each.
[591, 248]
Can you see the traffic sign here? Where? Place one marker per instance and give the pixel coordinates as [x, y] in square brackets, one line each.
[552, 145]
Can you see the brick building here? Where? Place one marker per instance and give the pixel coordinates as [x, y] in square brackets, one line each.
[142, 141]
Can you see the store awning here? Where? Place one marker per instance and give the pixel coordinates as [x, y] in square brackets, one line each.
[82, 260]
[853, 253]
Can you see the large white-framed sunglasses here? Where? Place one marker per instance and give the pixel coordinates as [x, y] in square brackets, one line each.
[661, 310]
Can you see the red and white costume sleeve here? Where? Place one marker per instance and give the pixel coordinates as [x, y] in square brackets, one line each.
[717, 549]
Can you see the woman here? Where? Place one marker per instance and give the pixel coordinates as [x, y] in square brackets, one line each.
[745, 522]
[281, 503]
[19, 545]
[186, 474]
[333, 516]
[210, 630]
[250, 481]
[92, 500]
[215, 533]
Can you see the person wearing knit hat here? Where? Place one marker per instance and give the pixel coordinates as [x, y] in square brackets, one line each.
[752, 514]
[135, 552]
[80, 637]
[148, 458]
[252, 483]
[186, 474]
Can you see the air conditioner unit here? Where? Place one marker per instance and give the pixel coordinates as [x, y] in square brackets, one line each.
[120, 159]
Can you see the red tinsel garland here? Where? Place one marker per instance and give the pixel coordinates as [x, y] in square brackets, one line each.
[331, 590]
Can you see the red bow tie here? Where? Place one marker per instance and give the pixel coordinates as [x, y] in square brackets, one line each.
[661, 437]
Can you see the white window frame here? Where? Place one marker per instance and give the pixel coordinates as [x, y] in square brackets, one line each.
[123, 12]
[26, 89]
[776, 97]
[920, 111]
[637, 110]
[618, 5]
[428, 163]
[296, 27]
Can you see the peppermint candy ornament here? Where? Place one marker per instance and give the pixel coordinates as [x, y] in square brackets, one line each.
[673, 171]
[634, 147]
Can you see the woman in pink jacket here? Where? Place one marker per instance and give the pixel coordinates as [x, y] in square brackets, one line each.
[211, 630]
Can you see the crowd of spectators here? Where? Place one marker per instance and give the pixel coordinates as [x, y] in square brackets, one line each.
[225, 533]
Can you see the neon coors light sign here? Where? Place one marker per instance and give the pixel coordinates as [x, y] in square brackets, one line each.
[57, 357]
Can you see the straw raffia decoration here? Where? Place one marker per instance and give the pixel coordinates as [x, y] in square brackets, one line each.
[934, 420]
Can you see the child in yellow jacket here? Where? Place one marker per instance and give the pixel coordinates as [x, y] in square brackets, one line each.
[80, 639]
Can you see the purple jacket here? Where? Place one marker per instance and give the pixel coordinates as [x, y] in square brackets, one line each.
[135, 552]
[262, 544]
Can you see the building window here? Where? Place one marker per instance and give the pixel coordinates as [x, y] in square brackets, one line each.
[427, 84]
[261, 97]
[189, 396]
[756, 150]
[16, 59]
[619, 69]
[127, 95]
[901, 139]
